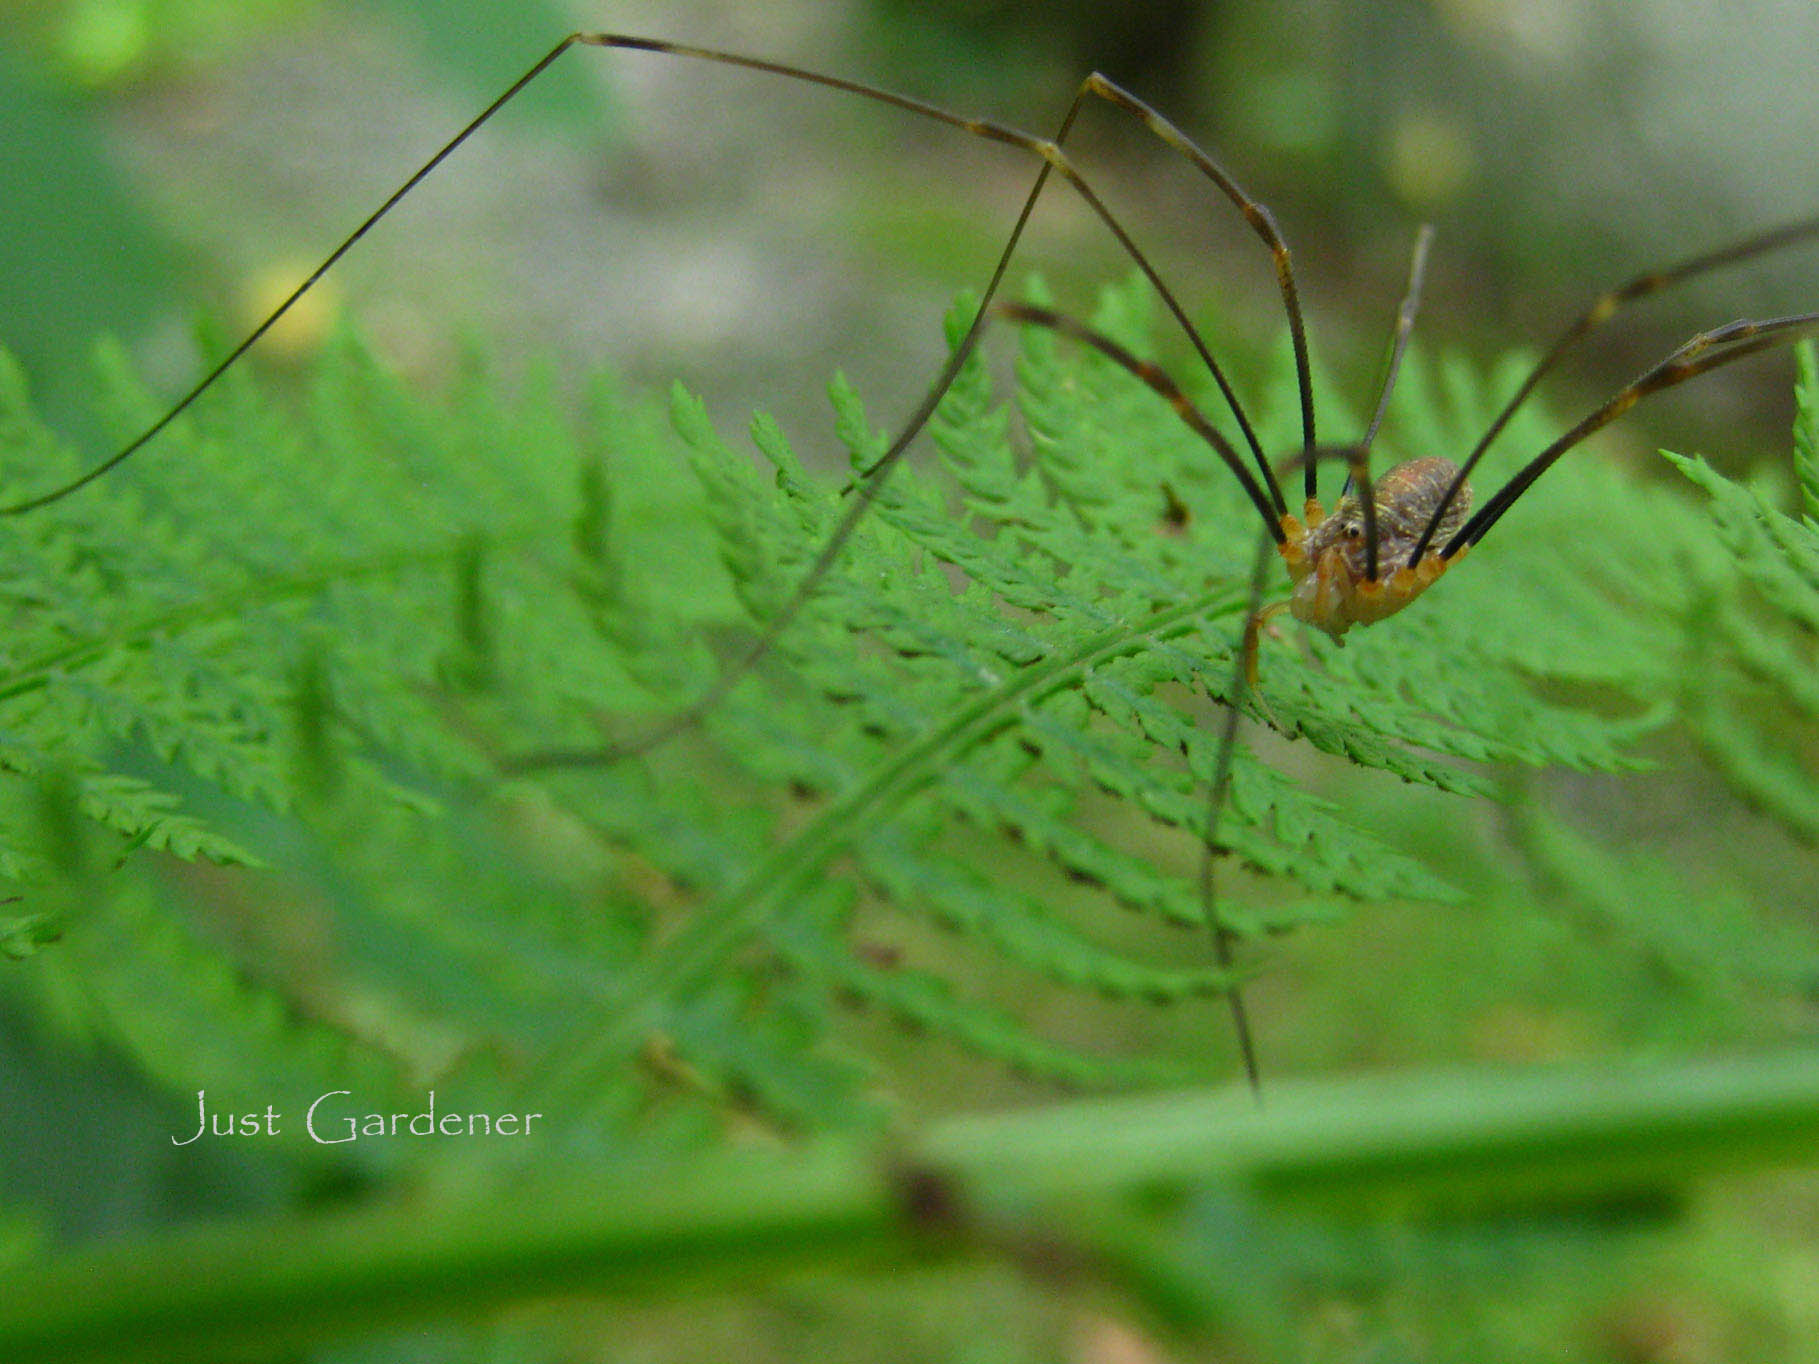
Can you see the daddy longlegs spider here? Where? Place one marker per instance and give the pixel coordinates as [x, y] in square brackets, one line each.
[1386, 540]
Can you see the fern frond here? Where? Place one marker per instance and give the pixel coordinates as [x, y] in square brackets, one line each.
[1754, 688]
[308, 641]
[1045, 644]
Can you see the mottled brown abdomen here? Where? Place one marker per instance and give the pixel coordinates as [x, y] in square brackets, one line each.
[1406, 497]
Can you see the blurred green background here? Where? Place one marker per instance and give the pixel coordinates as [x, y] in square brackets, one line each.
[166, 157]
[166, 160]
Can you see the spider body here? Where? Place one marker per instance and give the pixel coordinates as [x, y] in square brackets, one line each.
[1328, 555]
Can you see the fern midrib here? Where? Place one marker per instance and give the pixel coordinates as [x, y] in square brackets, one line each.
[725, 920]
[37, 673]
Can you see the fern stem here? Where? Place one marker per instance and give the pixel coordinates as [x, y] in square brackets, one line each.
[1239, 688]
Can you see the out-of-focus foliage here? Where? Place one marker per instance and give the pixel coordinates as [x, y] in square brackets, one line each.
[1401, 1213]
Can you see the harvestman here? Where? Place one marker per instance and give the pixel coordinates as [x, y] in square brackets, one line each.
[1386, 541]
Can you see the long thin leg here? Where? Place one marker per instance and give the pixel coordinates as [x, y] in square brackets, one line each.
[1053, 160]
[1224, 953]
[1048, 150]
[1244, 657]
[1262, 222]
[1405, 324]
[1159, 383]
[1357, 456]
[1706, 351]
[207, 381]
[1150, 374]
[1596, 315]
[1164, 387]
[1361, 453]
[1220, 792]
